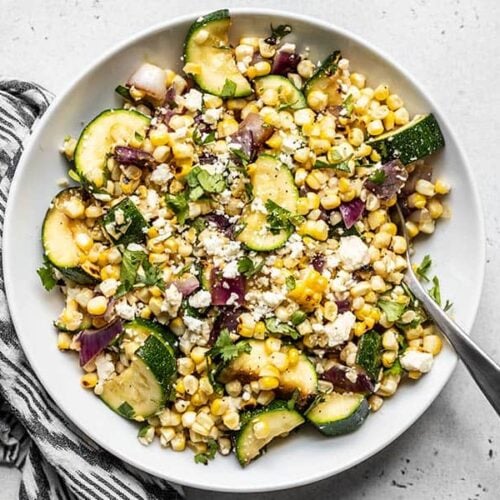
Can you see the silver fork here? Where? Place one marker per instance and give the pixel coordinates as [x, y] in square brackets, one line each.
[484, 370]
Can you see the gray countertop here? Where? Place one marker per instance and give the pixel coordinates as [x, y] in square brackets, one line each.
[452, 48]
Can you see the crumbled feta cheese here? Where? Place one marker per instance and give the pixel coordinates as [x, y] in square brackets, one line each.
[290, 144]
[352, 375]
[288, 47]
[219, 246]
[295, 246]
[134, 247]
[125, 310]
[161, 174]
[152, 199]
[258, 205]
[193, 100]
[416, 361]
[273, 299]
[200, 299]
[339, 330]
[332, 262]
[119, 216]
[105, 369]
[233, 299]
[212, 116]
[231, 270]
[194, 325]
[108, 287]
[353, 253]
[148, 436]
[172, 301]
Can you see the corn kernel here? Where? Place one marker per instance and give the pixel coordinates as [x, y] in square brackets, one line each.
[97, 305]
[303, 117]
[359, 328]
[394, 102]
[293, 356]
[84, 241]
[389, 340]
[375, 127]
[159, 135]
[178, 443]
[275, 141]
[401, 116]
[317, 100]
[218, 407]
[198, 354]
[273, 344]
[280, 361]
[441, 187]
[305, 68]
[381, 92]
[262, 68]
[231, 420]
[435, 208]
[63, 341]
[316, 229]
[411, 229]
[89, 380]
[233, 388]
[261, 429]
[330, 202]
[268, 383]
[356, 137]
[416, 200]
[398, 244]
[302, 206]
[388, 358]
[432, 344]
[358, 80]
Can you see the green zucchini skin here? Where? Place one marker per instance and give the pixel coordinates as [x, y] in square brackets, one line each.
[148, 327]
[282, 85]
[335, 414]
[323, 80]
[134, 223]
[411, 142]
[369, 353]
[280, 419]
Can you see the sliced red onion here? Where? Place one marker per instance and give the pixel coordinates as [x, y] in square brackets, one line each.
[318, 262]
[187, 285]
[227, 319]
[252, 134]
[337, 375]
[351, 212]
[394, 177]
[206, 158]
[93, 342]
[221, 222]
[110, 313]
[421, 171]
[226, 291]
[132, 156]
[170, 96]
[151, 80]
[343, 305]
[284, 63]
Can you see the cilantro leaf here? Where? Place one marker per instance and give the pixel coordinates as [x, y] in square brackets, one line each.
[229, 89]
[424, 267]
[241, 155]
[342, 166]
[199, 140]
[248, 267]
[395, 369]
[203, 458]
[280, 219]
[47, 276]
[226, 350]
[435, 291]
[152, 274]
[199, 224]
[275, 326]
[179, 205]
[278, 33]
[348, 104]
[211, 183]
[131, 261]
[393, 310]
[448, 305]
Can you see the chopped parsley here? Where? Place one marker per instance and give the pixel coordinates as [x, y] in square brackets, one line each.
[248, 267]
[200, 182]
[342, 166]
[240, 155]
[47, 275]
[203, 458]
[393, 310]
[435, 291]
[275, 326]
[424, 267]
[229, 89]
[178, 203]
[201, 140]
[278, 33]
[132, 262]
[280, 219]
[226, 350]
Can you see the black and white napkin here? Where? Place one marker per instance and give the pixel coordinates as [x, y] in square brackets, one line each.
[57, 461]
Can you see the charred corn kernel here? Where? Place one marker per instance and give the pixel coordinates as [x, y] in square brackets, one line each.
[159, 135]
[199, 399]
[275, 141]
[330, 310]
[359, 328]
[231, 420]
[360, 289]
[376, 127]
[178, 443]
[177, 326]
[381, 93]
[375, 157]
[398, 244]
[233, 388]
[313, 200]
[317, 229]
[435, 208]
[198, 354]
[218, 407]
[305, 68]
[441, 187]
[414, 375]
[268, 383]
[303, 117]
[261, 429]
[302, 206]
[97, 305]
[356, 137]
[394, 102]
[269, 371]
[401, 116]
[63, 341]
[262, 68]
[388, 358]
[89, 380]
[411, 229]
[432, 344]
[330, 202]
[293, 356]
[375, 402]
[381, 240]
[182, 151]
[279, 360]
[416, 200]
[317, 100]
[319, 146]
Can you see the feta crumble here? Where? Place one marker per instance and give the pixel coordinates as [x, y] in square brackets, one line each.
[200, 299]
[353, 253]
[339, 330]
[416, 361]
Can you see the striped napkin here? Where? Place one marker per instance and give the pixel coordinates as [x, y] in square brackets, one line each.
[57, 460]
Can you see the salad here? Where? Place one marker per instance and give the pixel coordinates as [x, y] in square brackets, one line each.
[227, 256]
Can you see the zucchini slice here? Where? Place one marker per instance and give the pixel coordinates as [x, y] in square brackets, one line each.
[58, 239]
[369, 353]
[271, 180]
[207, 48]
[289, 95]
[144, 328]
[125, 224]
[301, 377]
[279, 420]
[141, 389]
[325, 79]
[113, 127]
[417, 139]
[335, 414]
[64, 327]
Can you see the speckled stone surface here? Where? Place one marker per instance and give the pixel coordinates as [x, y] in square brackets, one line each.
[451, 47]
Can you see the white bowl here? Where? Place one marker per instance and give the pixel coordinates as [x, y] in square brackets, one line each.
[457, 248]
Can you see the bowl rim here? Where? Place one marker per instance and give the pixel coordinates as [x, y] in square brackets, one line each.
[9, 226]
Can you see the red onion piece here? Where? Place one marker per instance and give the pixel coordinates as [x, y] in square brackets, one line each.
[395, 176]
[337, 376]
[187, 285]
[351, 212]
[284, 63]
[318, 262]
[343, 305]
[151, 80]
[252, 134]
[223, 288]
[221, 222]
[132, 156]
[93, 342]
[227, 319]
[421, 171]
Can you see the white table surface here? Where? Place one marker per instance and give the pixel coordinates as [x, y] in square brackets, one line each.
[452, 47]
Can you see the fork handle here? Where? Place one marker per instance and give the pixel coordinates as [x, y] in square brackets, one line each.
[484, 370]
